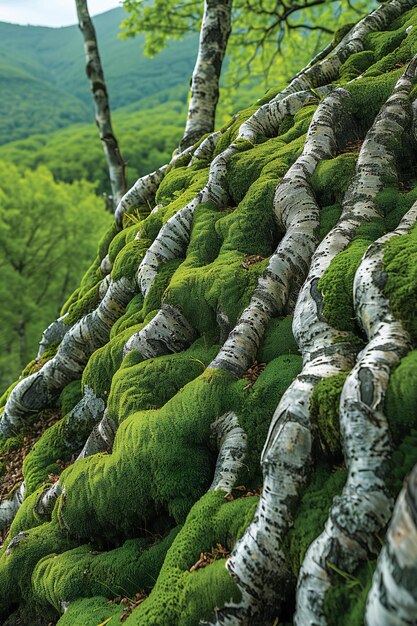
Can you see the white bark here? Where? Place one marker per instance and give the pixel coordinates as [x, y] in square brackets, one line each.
[231, 441]
[257, 562]
[41, 389]
[327, 69]
[94, 70]
[53, 334]
[9, 508]
[392, 600]
[173, 237]
[365, 506]
[297, 213]
[142, 192]
[214, 35]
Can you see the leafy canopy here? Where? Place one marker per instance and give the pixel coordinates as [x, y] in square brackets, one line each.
[48, 233]
[263, 30]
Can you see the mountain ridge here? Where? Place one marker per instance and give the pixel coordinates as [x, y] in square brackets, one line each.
[53, 58]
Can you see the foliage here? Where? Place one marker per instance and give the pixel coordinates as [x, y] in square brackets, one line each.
[262, 33]
[47, 236]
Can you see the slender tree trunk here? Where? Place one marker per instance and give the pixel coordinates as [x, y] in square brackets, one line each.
[94, 70]
[214, 35]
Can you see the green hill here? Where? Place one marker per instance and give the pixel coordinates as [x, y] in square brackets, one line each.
[46, 66]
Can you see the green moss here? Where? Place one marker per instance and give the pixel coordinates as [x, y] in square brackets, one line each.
[400, 264]
[267, 391]
[70, 396]
[135, 386]
[106, 240]
[401, 398]
[336, 286]
[105, 361]
[91, 611]
[127, 262]
[403, 460]
[368, 95]
[356, 64]
[345, 601]
[181, 597]
[174, 183]
[332, 177]
[83, 305]
[85, 572]
[17, 567]
[329, 216]
[42, 459]
[312, 513]
[395, 204]
[324, 411]
[278, 340]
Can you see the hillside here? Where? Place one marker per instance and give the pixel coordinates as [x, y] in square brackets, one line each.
[46, 66]
[218, 429]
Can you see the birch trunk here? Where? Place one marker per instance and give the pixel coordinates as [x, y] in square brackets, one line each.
[95, 74]
[214, 35]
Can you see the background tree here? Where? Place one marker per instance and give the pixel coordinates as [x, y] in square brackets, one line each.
[47, 236]
[94, 70]
[269, 38]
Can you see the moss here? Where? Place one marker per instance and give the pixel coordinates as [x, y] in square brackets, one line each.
[83, 305]
[395, 204]
[312, 513]
[70, 396]
[401, 397]
[17, 567]
[86, 572]
[342, 32]
[267, 391]
[42, 459]
[37, 364]
[278, 340]
[105, 361]
[127, 262]
[336, 286]
[11, 443]
[92, 611]
[344, 603]
[403, 460]
[356, 64]
[181, 597]
[368, 95]
[329, 216]
[332, 177]
[174, 183]
[160, 458]
[324, 411]
[106, 240]
[135, 385]
[400, 265]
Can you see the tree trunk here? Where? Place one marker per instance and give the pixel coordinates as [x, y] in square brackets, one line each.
[214, 35]
[95, 74]
[248, 373]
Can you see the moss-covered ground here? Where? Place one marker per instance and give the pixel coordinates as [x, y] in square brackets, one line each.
[139, 517]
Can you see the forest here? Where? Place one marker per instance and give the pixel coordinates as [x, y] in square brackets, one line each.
[208, 243]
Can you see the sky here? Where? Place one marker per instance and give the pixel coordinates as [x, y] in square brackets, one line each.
[49, 12]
